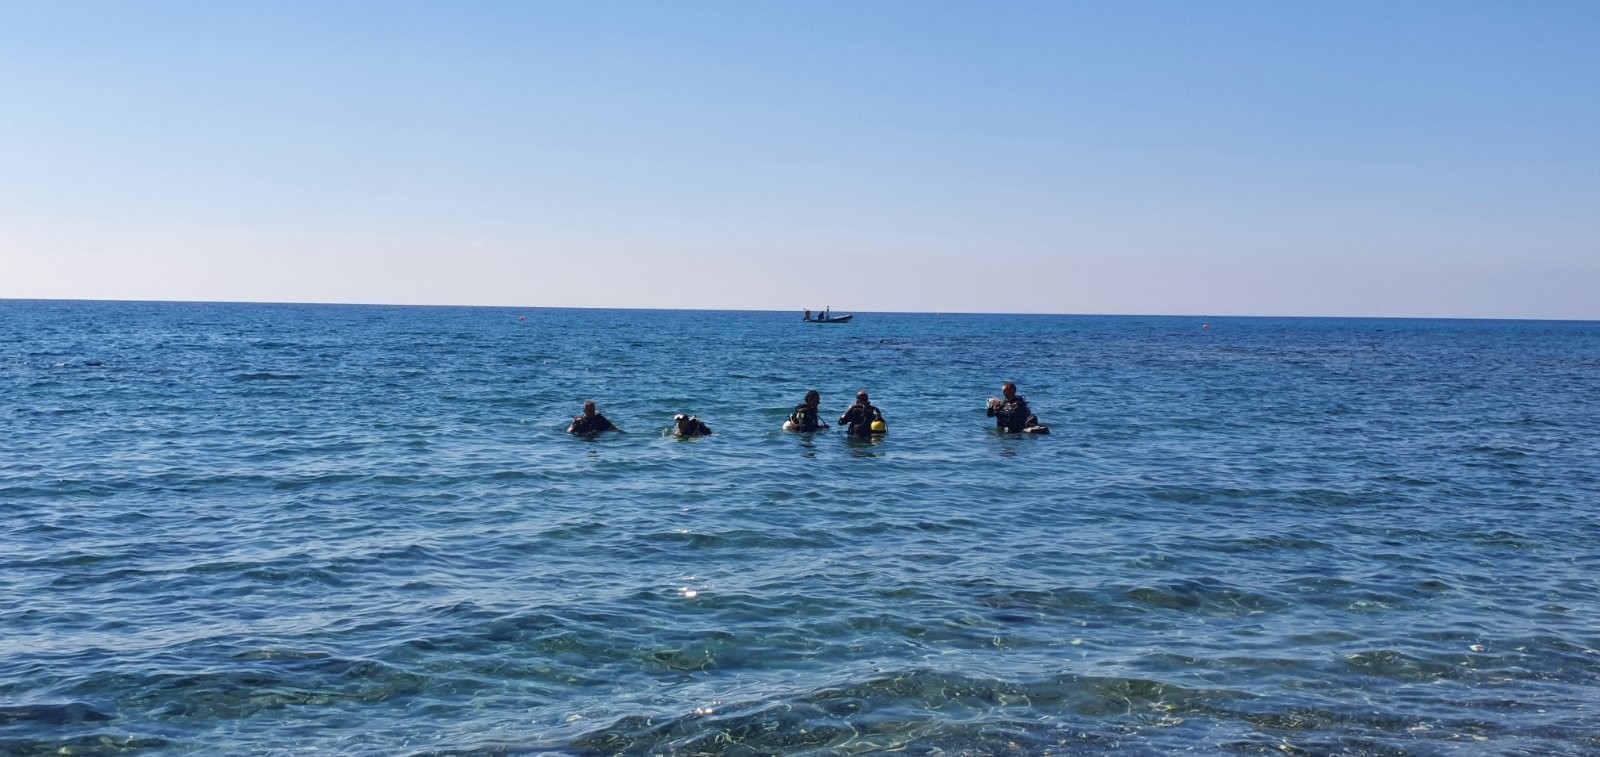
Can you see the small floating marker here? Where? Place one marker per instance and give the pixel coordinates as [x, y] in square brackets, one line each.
[1205, 325]
[522, 318]
[1476, 647]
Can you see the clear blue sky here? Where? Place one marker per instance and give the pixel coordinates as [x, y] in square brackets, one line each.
[1209, 158]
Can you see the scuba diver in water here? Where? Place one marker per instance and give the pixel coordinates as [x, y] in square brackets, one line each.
[864, 419]
[1010, 412]
[590, 422]
[685, 426]
[806, 417]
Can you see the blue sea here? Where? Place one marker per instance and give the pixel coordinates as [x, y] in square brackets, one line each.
[294, 529]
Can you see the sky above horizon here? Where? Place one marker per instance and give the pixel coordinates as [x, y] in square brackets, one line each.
[1222, 158]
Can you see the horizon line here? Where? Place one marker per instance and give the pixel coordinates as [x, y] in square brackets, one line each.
[786, 310]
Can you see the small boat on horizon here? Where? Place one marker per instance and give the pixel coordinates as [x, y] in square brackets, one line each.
[826, 316]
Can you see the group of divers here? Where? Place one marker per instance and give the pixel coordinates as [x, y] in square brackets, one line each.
[1009, 411]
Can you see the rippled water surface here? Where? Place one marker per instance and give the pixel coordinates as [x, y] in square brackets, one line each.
[273, 529]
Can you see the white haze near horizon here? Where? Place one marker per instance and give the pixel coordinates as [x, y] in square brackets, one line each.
[1366, 159]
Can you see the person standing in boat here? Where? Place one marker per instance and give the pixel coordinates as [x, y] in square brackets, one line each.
[862, 417]
[591, 422]
[1010, 412]
[808, 314]
[807, 415]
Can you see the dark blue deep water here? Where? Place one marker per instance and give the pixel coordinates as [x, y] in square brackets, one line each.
[283, 529]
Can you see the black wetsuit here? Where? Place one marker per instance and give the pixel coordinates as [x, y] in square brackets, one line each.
[695, 427]
[1012, 415]
[860, 418]
[805, 418]
[590, 424]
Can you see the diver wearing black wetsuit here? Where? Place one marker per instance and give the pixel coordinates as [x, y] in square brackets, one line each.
[861, 415]
[1011, 414]
[805, 417]
[590, 422]
[689, 425]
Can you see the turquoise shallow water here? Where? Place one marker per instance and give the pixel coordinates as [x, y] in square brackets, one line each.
[275, 529]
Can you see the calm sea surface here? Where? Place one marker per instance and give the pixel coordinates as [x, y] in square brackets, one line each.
[283, 529]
